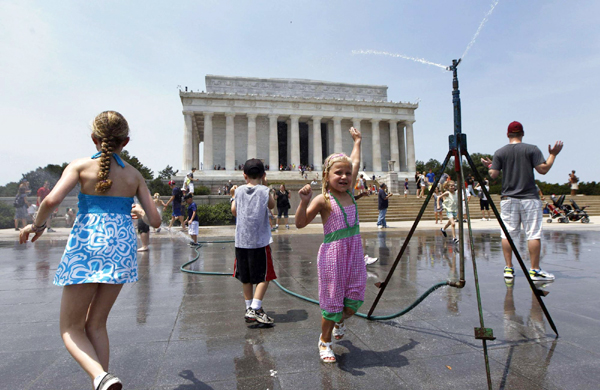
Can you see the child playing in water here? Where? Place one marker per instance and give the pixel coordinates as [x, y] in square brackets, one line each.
[100, 255]
[160, 206]
[341, 267]
[250, 204]
[450, 203]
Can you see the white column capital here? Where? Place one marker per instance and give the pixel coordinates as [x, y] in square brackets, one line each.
[393, 121]
[337, 119]
[316, 118]
[252, 116]
[208, 114]
[295, 117]
[373, 120]
[230, 114]
[187, 112]
[273, 116]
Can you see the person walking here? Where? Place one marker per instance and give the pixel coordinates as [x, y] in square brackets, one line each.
[382, 205]
[93, 271]
[21, 204]
[176, 198]
[520, 203]
[283, 205]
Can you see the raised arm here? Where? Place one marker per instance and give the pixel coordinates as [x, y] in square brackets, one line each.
[65, 184]
[307, 210]
[543, 168]
[355, 155]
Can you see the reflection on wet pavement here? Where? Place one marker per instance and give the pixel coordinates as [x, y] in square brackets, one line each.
[173, 330]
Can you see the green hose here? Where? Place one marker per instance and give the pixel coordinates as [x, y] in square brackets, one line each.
[372, 318]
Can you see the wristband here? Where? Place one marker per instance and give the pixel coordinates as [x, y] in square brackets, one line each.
[490, 166]
[38, 229]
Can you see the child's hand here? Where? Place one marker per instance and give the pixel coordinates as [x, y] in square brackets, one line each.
[305, 193]
[137, 211]
[232, 191]
[355, 134]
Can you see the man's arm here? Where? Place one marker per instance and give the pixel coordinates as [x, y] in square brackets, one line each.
[494, 173]
[544, 167]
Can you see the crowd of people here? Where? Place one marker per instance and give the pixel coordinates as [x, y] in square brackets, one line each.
[92, 276]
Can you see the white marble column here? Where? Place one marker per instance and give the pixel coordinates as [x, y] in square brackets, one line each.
[229, 141]
[317, 147]
[251, 136]
[394, 152]
[208, 142]
[295, 141]
[376, 146]
[410, 146]
[195, 150]
[337, 135]
[273, 144]
[188, 125]
[402, 143]
[356, 125]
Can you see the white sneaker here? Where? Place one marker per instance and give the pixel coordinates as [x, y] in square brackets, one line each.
[540, 275]
[483, 219]
[370, 260]
[380, 227]
[287, 226]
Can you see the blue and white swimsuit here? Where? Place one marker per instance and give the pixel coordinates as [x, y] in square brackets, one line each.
[102, 246]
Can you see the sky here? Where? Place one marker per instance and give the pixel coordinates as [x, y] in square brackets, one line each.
[63, 62]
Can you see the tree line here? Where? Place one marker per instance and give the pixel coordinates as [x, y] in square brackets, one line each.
[53, 172]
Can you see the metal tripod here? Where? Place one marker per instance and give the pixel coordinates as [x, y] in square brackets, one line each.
[457, 149]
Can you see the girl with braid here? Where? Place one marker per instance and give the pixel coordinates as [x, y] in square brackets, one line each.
[100, 255]
[341, 267]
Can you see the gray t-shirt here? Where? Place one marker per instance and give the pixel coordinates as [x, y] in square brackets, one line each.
[252, 228]
[517, 161]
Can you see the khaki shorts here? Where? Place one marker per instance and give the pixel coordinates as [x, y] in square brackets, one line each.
[525, 212]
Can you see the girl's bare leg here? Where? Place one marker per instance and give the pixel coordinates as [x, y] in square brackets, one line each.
[74, 306]
[95, 326]
[451, 223]
[326, 329]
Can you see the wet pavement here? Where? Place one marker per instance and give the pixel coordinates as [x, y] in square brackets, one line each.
[173, 330]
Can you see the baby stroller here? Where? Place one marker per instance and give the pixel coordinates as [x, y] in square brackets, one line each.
[577, 213]
[558, 210]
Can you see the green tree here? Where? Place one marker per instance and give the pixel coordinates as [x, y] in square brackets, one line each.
[167, 173]
[137, 164]
[50, 173]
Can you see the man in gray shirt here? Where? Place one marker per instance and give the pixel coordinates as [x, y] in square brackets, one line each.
[520, 203]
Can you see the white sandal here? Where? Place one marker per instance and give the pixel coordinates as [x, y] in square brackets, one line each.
[339, 330]
[326, 353]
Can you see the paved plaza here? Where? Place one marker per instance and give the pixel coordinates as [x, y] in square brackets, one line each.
[173, 330]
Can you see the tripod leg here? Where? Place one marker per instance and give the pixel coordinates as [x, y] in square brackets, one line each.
[538, 294]
[407, 240]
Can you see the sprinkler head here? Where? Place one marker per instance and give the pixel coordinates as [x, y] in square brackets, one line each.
[454, 64]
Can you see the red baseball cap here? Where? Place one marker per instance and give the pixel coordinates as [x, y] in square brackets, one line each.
[515, 127]
[172, 182]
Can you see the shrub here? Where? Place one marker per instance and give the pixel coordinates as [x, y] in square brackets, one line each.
[201, 190]
[209, 215]
[7, 216]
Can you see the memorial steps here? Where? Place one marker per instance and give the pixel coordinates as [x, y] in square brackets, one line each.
[401, 209]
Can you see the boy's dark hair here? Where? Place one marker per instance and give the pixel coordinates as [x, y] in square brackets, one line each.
[188, 196]
[254, 168]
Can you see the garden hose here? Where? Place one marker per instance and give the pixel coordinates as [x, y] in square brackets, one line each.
[372, 318]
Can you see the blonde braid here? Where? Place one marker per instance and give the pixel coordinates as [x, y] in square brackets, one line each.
[111, 129]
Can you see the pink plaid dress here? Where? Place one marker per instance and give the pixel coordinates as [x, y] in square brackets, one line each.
[341, 266]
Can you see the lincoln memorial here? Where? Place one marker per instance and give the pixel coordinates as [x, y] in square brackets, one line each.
[294, 122]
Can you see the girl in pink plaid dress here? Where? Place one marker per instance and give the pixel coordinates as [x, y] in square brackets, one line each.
[342, 272]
